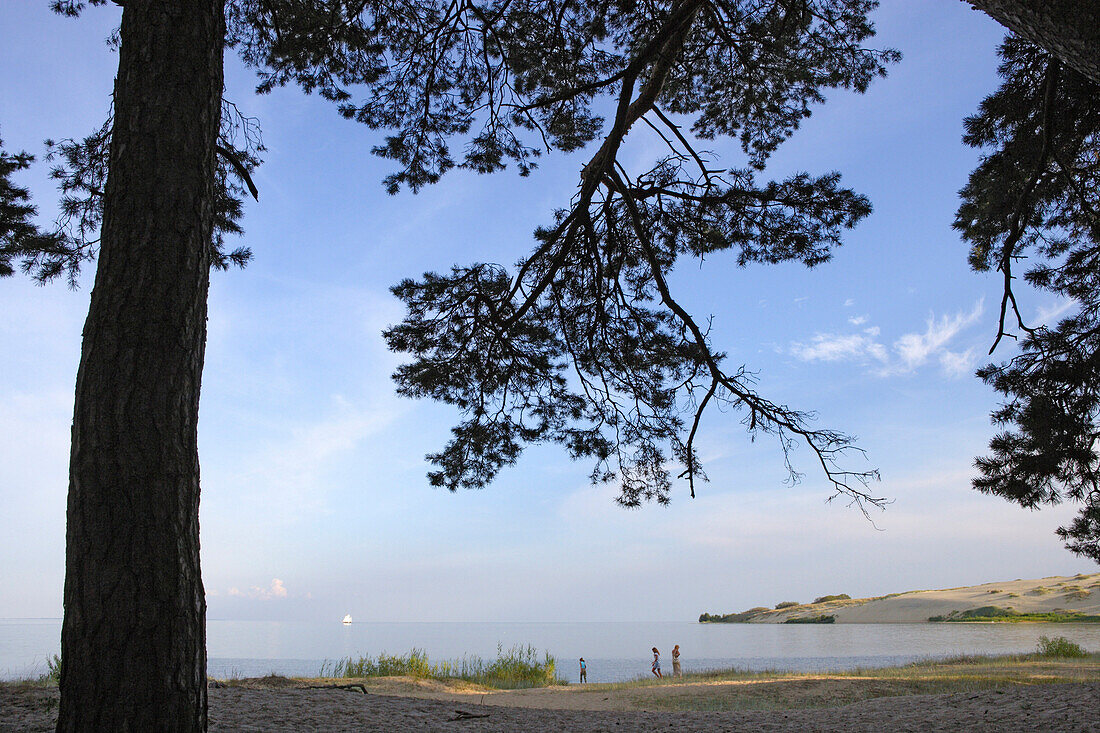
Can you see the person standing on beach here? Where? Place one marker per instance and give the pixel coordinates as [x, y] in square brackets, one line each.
[676, 671]
[656, 663]
[584, 671]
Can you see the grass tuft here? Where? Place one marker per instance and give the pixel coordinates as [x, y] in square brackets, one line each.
[53, 670]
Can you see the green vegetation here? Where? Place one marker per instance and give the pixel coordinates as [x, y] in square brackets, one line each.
[985, 613]
[786, 604]
[839, 597]
[1060, 647]
[1008, 615]
[518, 667]
[822, 619]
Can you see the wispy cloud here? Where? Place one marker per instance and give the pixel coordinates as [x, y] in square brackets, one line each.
[957, 365]
[1050, 315]
[915, 349]
[908, 353]
[292, 472]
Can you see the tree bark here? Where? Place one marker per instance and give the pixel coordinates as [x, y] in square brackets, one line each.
[1069, 29]
[133, 641]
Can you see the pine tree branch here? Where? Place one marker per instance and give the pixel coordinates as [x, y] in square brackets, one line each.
[825, 445]
[238, 166]
[1022, 211]
[661, 51]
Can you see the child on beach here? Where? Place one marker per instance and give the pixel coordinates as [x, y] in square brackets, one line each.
[656, 663]
[676, 671]
[584, 671]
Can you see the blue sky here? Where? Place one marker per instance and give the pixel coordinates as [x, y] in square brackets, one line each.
[315, 501]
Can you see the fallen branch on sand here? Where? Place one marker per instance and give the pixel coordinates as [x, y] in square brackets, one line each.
[352, 686]
[463, 715]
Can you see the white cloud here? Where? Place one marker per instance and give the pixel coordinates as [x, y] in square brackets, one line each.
[834, 347]
[857, 320]
[849, 303]
[275, 590]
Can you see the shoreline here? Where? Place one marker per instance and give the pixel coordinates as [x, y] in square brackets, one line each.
[1019, 693]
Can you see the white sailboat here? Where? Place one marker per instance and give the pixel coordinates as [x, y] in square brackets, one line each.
[347, 619]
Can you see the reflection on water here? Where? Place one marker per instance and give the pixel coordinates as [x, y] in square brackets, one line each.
[613, 650]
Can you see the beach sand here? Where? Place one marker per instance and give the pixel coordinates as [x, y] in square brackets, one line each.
[1057, 707]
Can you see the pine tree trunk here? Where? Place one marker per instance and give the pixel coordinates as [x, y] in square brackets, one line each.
[133, 641]
[1069, 29]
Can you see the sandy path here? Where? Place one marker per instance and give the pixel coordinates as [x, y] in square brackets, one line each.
[1063, 708]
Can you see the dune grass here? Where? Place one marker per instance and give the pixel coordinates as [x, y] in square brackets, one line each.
[515, 668]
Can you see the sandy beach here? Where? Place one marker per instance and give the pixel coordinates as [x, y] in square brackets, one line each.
[1060, 707]
[1018, 694]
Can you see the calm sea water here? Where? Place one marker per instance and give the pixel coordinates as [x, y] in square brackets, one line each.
[614, 651]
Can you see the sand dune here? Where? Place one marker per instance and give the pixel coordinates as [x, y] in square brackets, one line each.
[1079, 593]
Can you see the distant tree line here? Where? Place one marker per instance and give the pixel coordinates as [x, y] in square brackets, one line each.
[732, 618]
